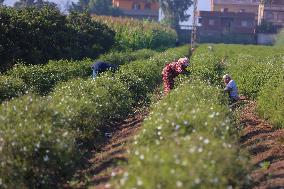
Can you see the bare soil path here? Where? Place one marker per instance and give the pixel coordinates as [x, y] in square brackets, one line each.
[266, 147]
[107, 162]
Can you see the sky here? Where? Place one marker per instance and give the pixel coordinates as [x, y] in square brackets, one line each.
[203, 4]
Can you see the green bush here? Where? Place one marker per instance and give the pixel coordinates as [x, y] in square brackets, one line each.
[11, 87]
[250, 66]
[271, 99]
[38, 35]
[257, 70]
[41, 137]
[33, 152]
[134, 34]
[42, 78]
[91, 106]
[186, 142]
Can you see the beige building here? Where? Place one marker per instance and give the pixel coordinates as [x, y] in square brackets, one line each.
[249, 6]
[272, 12]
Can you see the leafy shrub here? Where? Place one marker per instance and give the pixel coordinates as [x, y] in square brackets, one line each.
[250, 66]
[134, 34]
[40, 137]
[42, 78]
[11, 87]
[257, 70]
[33, 152]
[187, 142]
[91, 106]
[271, 99]
[38, 35]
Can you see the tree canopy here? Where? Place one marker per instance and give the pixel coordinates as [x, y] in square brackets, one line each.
[175, 11]
[99, 7]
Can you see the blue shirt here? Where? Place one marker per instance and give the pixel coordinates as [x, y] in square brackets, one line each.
[100, 67]
[232, 89]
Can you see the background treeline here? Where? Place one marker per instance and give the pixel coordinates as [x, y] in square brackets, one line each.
[38, 35]
[35, 36]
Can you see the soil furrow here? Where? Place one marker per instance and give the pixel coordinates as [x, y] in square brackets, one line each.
[266, 147]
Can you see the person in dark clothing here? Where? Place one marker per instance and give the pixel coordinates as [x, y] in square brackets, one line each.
[100, 67]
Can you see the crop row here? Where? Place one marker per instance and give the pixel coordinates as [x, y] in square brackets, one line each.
[41, 137]
[41, 79]
[187, 141]
[258, 72]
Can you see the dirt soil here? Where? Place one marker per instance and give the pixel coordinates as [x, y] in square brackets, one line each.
[266, 147]
[106, 163]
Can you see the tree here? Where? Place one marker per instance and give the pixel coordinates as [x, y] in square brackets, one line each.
[1, 2]
[80, 6]
[32, 3]
[99, 7]
[175, 11]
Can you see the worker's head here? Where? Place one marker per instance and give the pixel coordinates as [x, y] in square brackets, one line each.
[184, 61]
[226, 78]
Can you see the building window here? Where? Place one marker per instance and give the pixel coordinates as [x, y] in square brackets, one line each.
[244, 23]
[136, 6]
[280, 17]
[211, 22]
[224, 10]
[269, 16]
[148, 6]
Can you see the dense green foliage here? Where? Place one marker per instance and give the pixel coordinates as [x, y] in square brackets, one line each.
[186, 142]
[279, 41]
[258, 72]
[41, 79]
[38, 35]
[11, 87]
[41, 136]
[134, 34]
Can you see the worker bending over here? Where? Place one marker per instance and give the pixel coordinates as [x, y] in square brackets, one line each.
[171, 71]
[231, 88]
[101, 66]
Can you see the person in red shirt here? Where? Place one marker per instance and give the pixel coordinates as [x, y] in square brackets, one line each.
[171, 71]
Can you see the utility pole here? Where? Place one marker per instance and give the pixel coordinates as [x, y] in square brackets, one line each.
[194, 26]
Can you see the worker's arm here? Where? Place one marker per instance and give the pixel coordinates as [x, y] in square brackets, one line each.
[227, 89]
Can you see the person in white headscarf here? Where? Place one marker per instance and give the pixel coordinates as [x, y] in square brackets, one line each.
[231, 88]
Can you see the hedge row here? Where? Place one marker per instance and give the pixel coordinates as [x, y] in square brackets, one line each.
[186, 142]
[41, 79]
[38, 35]
[41, 136]
[134, 34]
[258, 72]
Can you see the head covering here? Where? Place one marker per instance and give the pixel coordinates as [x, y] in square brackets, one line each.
[226, 76]
[184, 61]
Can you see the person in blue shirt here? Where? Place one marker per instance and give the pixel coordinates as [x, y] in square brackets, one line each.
[100, 67]
[231, 88]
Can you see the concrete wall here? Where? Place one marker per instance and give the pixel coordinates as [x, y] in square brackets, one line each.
[266, 39]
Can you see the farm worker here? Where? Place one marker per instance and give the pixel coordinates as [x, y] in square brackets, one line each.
[171, 71]
[101, 66]
[231, 88]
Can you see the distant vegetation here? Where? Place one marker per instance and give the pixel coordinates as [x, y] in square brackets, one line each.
[136, 34]
[35, 36]
[38, 35]
[280, 38]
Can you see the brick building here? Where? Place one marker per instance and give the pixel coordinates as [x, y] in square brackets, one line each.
[140, 9]
[272, 12]
[250, 6]
[231, 27]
